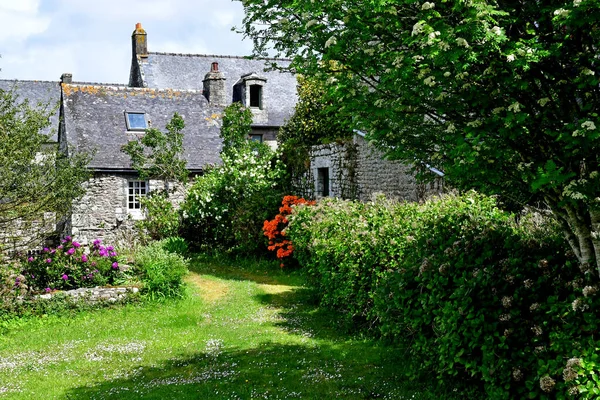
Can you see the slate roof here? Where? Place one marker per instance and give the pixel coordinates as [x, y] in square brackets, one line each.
[94, 118]
[46, 93]
[186, 71]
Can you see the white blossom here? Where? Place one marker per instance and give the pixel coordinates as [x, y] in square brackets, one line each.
[543, 102]
[589, 125]
[429, 81]
[462, 42]
[515, 107]
[427, 5]
[561, 12]
[587, 71]
[311, 23]
[576, 3]
[330, 42]
[496, 30]
[417, 28]
[451, 128]
[510, 58]
[447, 74]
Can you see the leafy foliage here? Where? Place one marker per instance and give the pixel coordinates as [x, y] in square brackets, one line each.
[162, 271]
[472, 295]
[157, 155]
[162, 220]
[226, 206]
[274, 230]
[501, 96]
[35, 177]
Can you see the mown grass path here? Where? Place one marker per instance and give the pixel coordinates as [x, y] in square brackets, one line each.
[238, 335]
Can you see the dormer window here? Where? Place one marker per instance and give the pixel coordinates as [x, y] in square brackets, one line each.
[136, 121]
[256, 96]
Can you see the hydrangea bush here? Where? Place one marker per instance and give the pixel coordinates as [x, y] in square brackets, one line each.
[71, 266]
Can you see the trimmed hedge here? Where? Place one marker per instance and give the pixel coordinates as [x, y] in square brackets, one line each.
[472, 293]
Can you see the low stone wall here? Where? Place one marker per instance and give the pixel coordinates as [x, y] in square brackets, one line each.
[93, 295]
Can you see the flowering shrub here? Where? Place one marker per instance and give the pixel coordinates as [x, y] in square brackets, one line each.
[471, 293]
[69, 266]
[274, 230]
[162, 220]
[226, 206]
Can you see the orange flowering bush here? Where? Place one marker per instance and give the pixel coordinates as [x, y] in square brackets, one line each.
[274, 230]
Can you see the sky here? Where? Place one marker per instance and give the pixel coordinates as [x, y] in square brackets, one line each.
[42, 39]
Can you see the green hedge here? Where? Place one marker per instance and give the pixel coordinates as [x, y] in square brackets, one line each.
[162, 269]
[473, 294]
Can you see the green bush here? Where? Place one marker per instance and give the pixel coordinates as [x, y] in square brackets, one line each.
[162, 220]
[161, 271]
[175, 244]
[473, 294]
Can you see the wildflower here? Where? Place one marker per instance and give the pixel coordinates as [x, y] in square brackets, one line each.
[510, 58]
[589, 290]
[71, 251]
[48, 260]
[65, 277]
[76, 244]
[60, 247]
[527, 283]
[462, 42]
[506, 301]
[115, 265]
[537, 331]
[504, 317]
[547, 383]
[417, 28]
[561, 12]
[517, 374]
[427, 5]
[496, 30]
[84, 258]
[46, 250]
[576, 3]
[47, 290]
[93, 263]
[30, 259]
[68, 238]
[534, 306]
[589, 125]
[570, 372]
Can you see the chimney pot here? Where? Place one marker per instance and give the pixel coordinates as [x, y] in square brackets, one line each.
[138, 25]
[66, 78]
[214, 67]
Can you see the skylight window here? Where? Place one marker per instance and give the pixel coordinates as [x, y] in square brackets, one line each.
[136, 121]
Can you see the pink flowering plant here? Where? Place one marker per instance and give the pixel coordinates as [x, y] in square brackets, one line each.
[71, 266]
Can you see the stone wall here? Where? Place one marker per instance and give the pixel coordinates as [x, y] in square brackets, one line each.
[102, 212]
[357, 170]
[22, 236]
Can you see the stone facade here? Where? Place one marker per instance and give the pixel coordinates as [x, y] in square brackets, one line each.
[22, 236]
[357, 170]
[102, 213]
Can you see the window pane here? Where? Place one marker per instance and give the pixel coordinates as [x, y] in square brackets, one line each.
[136, 121]
[255, 94]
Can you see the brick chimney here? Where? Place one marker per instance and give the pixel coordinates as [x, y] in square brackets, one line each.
[214, 86]
[139, 42]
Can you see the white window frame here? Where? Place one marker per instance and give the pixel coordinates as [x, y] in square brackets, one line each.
[136, 189]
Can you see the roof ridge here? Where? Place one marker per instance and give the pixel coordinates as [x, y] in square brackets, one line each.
[218, 55]
[125, 87]
[28, 80]
[96, 83]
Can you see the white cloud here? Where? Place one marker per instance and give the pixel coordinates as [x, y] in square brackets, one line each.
[41, 39]
[20, 20]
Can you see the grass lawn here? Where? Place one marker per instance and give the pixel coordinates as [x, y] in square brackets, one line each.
[242, 333]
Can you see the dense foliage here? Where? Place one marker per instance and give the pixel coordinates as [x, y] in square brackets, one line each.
[274, 229]
[500, 95]
[35, 177]
[472, 294]
[161, 218]
[226, 206]
[162, 270]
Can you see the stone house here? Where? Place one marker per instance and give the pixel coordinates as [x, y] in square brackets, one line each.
[356, 169]
[101, 118]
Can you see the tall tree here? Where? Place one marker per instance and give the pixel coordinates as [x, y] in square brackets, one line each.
[501, 95]
[35, 177]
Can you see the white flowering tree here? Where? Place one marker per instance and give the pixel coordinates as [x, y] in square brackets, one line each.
[501, 95]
